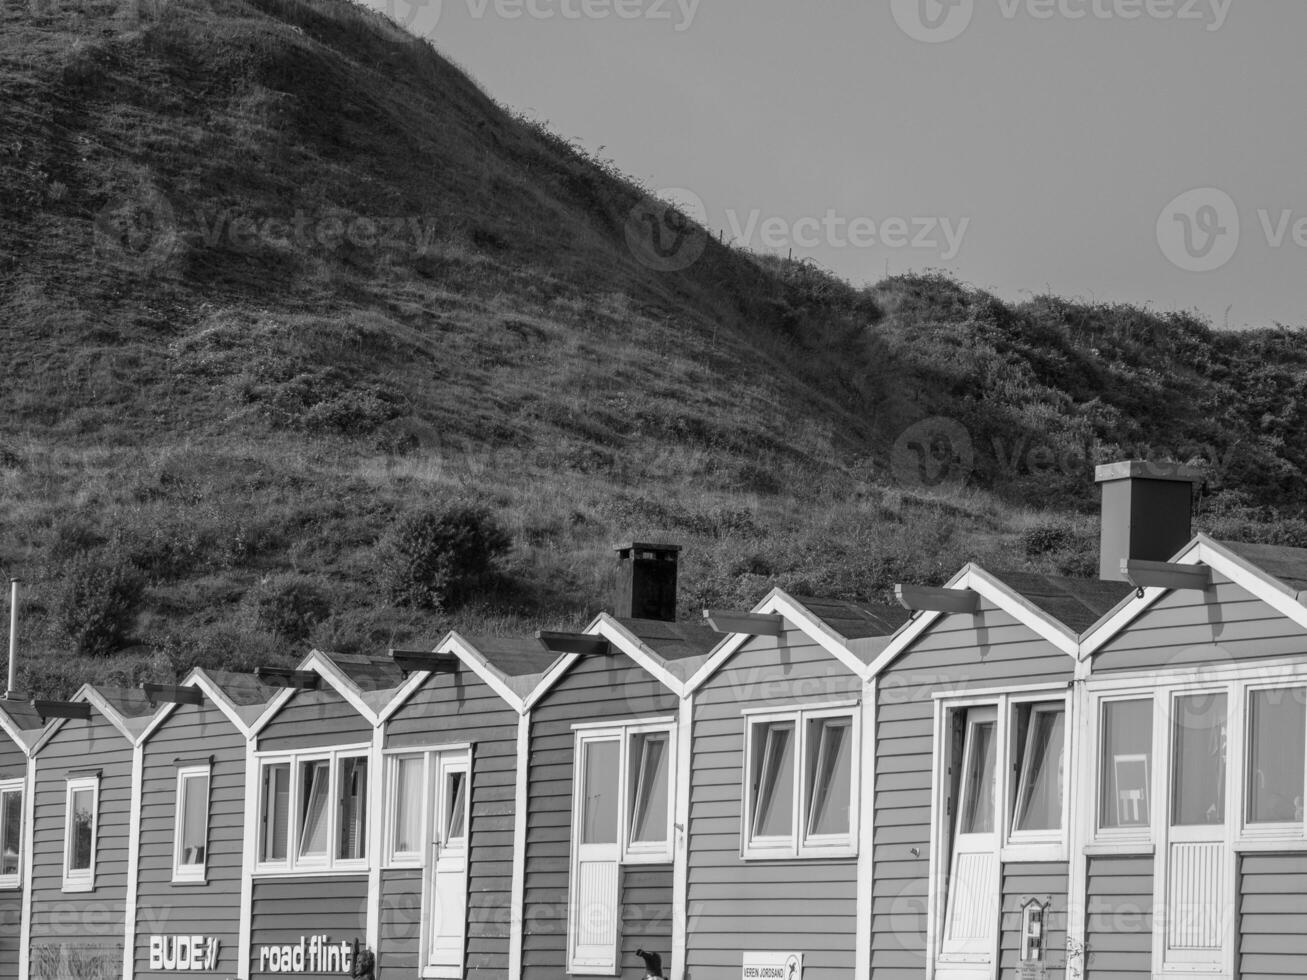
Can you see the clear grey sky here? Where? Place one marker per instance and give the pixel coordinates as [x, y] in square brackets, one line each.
[1042, 148]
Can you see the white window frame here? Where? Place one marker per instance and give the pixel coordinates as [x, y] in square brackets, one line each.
[8, 787]
[330, 864]
[799, 844]
[644, 852]
[191, 873]
[1016, 757]
[82, 879]
[406, 859]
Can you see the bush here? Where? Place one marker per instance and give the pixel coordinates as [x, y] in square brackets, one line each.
[437, 560]
[98, 597]
[289, 607]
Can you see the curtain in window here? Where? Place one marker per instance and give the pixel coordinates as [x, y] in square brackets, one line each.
[195, 814]
[11, 827]
[773, 814]
[830, 777]
[352, 822]
[1126, 763]
[599, 792]
[649, 820]
[276, 811]
[83, 829]
[1198, 769]
[408, 804]
[1039, 794]
[1277, 726]
[314, 779]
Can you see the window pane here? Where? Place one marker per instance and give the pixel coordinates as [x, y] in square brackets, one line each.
[276, 811]
[1198, 767]
[1039, 796]
[1277, 725]
[314, 777]
[408, 804]
[352, 820]
[830, 775]
[1126, 763]
[600, 791]
[194, 821]
[978, 805]
[82, 830]
[649, 790]
[773, 814]
[11, 831]
[456, 801]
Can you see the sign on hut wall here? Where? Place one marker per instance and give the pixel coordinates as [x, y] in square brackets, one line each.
[773, 966]
[184, 953]
[312, 954]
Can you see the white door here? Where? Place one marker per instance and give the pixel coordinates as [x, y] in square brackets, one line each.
[596, 869]
[969, 939]
[447, 866]
[1197, 881]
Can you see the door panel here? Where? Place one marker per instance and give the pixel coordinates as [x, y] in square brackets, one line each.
[596, 864]
[447, 866]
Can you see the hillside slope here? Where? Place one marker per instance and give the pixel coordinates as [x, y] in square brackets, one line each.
[275, 275]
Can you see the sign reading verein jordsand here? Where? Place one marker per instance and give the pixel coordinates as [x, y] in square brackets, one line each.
[773, 966]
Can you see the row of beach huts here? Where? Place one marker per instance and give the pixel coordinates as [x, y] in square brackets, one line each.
[1010, 776]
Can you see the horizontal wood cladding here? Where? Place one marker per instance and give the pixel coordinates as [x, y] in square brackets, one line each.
[1272, 916]
[401, 923]
[1119, 918]
[1220, 625]
[286, 910]
[958, 653]
[190, 736]
[11, 917]
[595, 689]
[312, 720]
[81, 931]
[13, 761]
[736, 906]
[457, 708]
[1046, 884]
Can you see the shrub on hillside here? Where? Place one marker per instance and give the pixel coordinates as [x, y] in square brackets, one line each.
[288, 607]
[97, 600]
[437, 559]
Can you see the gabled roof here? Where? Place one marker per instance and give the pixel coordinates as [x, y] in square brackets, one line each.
[127, 709]
[19, 720]
[242, 698]
[1079, 603]
[679, 648]
[1281, 562]
[512, 667]
[855, 633]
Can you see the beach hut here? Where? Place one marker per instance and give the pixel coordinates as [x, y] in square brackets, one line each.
[190, 884]
[85, 833]
[779, 844]
[604, 854]
[454, 746]
[20, 726]
[1190, 846]
[312, 815]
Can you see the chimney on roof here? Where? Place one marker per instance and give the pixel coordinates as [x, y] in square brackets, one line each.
[1147, 512]
[646, 581]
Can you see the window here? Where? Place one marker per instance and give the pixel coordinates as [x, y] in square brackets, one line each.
[802, 784]
[1198, 760]
[1126, 765]
[408, 793]
[314, 811]
[649, 787]
[1277, 723]
[1041, 749]
[11, 832]
[80, 826]
[191, 835]
[624, 789]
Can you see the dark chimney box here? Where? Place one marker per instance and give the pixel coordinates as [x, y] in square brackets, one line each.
[646, 581]
[1147, 512]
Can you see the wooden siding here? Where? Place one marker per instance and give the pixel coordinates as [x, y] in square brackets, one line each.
[956, 654]
[646, 915]
[315, 720]
[85, 926]
[1046, 884]
[456, 708]
[288, 909]
[401, 923]
[1272, 916]
[737, 906]
[595, 689]
[1119, 918]
[1181, 627]
[13, 765]
[190, 736]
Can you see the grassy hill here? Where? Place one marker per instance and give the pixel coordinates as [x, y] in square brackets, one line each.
[275, 277]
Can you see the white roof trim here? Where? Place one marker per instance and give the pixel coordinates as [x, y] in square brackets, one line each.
[90, 695]
[322, 664]
[635, 648]
[25, 741]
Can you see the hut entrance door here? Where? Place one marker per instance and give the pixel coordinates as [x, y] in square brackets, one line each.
[970, 936]
[594, 915]
[447, 866]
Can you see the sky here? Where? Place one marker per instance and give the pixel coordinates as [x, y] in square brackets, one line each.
[1143, 151]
